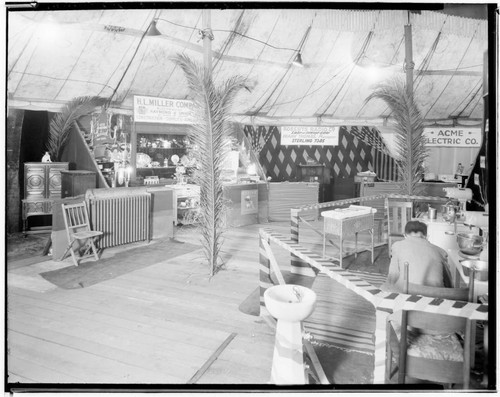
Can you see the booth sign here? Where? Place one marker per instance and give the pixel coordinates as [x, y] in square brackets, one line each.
[309, 136]
[453, 137]
[163, 110]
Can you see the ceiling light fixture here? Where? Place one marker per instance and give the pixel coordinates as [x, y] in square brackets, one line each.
[153, 30]
[298, 60]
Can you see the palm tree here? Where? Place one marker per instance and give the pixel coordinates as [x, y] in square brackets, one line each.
[61, 123]
[210, 134]
[411, 151]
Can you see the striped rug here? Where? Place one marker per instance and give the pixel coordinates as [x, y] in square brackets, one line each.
[342, 319]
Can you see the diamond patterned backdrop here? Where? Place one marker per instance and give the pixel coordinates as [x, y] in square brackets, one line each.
[359, 149]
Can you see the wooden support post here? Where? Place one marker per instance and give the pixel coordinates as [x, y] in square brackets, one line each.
[265, 280]
[298, 266]
[380, 341]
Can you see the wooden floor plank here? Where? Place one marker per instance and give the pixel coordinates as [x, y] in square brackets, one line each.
[153, 354]
[33, 372]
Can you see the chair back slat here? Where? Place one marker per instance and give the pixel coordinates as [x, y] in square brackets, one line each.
[75, 216]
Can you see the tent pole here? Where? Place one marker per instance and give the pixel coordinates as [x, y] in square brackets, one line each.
[409, 65]
[207, 40]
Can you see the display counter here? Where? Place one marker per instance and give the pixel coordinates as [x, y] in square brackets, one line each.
[286, 195]
[243, 203]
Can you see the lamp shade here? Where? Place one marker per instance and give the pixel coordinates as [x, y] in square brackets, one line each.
[152, 30]
[298, 60]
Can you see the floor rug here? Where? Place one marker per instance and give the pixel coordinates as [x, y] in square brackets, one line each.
[341, 318]
[89, 273]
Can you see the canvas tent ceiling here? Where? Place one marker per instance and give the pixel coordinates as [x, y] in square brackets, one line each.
[54, 56]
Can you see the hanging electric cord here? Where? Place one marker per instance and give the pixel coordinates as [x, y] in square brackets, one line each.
[472, 98]
[227, 43]
[175, 65]
[129, 63]
[449, 80]
[284, 75]
[63, 79]
[308, 93]
[290, 74]
[228, 31]
[356, 59]
[361, 53]
[76, 62]
[474, 88]
[312, 92]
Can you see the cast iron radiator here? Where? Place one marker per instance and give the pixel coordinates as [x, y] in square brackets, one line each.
[122, 219]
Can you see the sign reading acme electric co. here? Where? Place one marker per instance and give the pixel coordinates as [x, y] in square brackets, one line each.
[454, 137]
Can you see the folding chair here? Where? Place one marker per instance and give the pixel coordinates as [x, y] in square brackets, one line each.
[76, 220]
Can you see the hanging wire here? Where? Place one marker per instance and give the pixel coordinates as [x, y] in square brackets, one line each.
[284, 75]
[467, 96]
[470, 101]
[449, 80]
[175, 65]
[129, 63]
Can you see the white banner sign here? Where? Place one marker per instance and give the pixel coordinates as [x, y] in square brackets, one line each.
[454, 137]
[162, 110]
[309, 135]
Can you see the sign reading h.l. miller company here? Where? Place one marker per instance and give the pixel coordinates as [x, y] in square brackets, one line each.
[309, 135]
[452, 136]
[161, 110]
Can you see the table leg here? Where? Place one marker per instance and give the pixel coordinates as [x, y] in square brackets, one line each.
[355, 244]
[340, 254]
[372, 244]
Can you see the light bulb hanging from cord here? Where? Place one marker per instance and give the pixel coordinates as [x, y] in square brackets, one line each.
[153, 30]
[298, 60]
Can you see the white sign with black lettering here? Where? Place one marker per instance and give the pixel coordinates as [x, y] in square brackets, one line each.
[163, 110]
[453, 136]
[309, 136]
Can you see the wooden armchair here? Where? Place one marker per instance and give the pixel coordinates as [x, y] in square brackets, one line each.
[398, 214]
[427, 344]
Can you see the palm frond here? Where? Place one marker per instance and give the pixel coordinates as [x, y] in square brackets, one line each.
[61, 123]
[411, 151]
[211, 135]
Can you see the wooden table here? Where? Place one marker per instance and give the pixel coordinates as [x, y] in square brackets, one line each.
[346, 226]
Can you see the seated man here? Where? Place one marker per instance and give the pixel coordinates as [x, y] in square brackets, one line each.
[427, 262]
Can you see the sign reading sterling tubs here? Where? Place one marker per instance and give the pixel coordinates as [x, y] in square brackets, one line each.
[453, 136]
[309, 136]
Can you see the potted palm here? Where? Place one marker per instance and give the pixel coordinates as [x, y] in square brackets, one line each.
[211, 135]
[61, 123]
[410, 150]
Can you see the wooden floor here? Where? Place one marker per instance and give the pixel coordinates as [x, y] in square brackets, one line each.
[158, 325]
[164, 324]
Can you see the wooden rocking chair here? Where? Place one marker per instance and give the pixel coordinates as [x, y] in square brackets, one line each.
[78, 230]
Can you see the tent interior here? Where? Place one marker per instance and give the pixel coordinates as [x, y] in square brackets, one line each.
[118, 52]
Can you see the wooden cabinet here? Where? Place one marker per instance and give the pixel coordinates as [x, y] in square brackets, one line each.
[42, 184]
[316, 173]
[74, 183]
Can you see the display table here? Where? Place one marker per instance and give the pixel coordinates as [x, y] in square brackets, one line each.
[345, 222]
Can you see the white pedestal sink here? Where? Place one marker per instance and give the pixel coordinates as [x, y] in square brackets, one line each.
[289, 304]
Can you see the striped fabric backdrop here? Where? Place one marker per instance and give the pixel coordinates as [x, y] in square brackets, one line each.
[359, 149]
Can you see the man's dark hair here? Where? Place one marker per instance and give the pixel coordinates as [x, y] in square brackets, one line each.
[415, 227]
